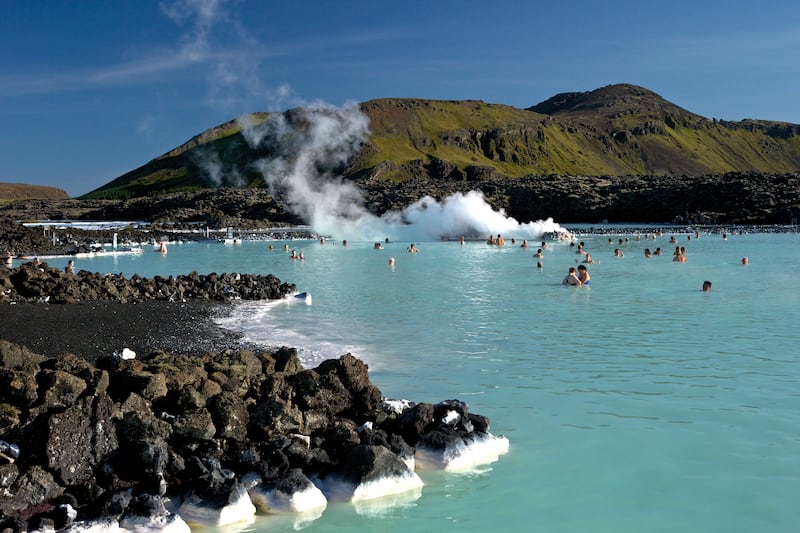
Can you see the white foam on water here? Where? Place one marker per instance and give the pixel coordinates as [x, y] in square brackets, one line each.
[196, 513]
[162, 524]
[171, 523]
[463, 456]
[252, 321]
[99, 526]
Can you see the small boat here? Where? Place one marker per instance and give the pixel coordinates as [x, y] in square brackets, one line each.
[303, 297]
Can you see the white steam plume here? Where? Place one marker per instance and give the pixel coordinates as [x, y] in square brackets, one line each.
[317, 140]
[215, 171]
[214, 37]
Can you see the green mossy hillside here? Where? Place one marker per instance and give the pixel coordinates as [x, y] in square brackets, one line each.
[618, 130]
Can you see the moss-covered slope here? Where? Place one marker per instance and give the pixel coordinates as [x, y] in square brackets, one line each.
[613, 131]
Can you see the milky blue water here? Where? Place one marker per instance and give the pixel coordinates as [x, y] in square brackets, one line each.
[639, 403]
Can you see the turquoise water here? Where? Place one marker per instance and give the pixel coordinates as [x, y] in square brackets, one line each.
[639, 403]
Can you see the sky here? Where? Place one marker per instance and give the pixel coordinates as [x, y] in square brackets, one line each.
[92, 89]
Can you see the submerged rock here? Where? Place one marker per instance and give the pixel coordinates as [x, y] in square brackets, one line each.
[460, 440]
[228, 506]
[368, 472]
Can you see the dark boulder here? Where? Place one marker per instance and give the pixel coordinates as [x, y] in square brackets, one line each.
[96, 380]
[349, 376]
[81, 438]
[131, 377]
[229, 415]
[32, 488]
[18, 369]
[414, 421]
[113, 505]
[196, 424]
[143, 444]
[59, 389]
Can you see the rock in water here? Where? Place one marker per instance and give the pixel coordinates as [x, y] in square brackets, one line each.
[368, 472]
[230, 506]
[291, 493]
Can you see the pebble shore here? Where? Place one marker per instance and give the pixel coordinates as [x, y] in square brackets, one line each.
[93, 329]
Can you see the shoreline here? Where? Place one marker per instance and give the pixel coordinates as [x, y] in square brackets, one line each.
[97, 328]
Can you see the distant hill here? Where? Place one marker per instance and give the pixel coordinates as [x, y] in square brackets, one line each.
[21, 191]
[618, 130]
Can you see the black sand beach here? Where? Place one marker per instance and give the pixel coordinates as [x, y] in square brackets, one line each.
[92, 329]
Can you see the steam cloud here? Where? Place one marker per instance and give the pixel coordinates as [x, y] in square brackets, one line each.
[308, 146]
[215, 171]
[307, 151]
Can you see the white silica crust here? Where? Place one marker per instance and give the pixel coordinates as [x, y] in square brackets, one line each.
[277, 501]
[196, 513]
[462, 456]
[337, 489]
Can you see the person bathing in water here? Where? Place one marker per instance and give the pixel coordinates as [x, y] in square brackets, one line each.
[571, 278]
[583, 275]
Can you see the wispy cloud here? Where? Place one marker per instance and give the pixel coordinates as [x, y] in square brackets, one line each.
[200, 16]
[156, 67]
[146, 126]
[198, 46]
[214, 48]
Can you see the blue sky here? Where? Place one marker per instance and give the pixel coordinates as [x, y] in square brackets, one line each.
[92, 89]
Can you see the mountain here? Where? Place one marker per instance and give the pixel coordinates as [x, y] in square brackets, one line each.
[22, 191]
[618, 130]
[645, 134]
